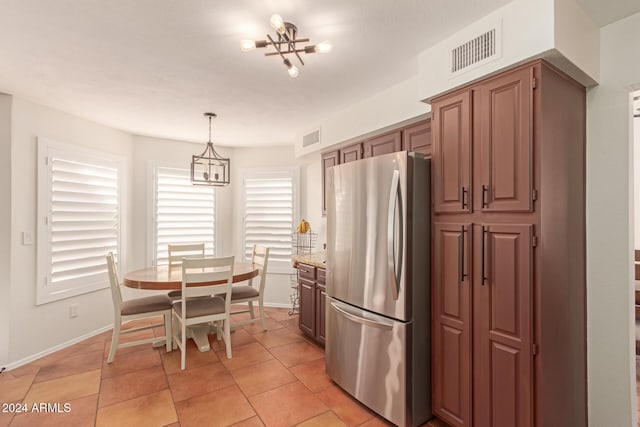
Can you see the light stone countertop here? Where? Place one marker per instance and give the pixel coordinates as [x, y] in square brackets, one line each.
[314, 258]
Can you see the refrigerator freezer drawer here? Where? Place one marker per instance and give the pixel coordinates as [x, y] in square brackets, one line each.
[366, 355]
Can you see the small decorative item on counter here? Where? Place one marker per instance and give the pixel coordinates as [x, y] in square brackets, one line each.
[303, 227]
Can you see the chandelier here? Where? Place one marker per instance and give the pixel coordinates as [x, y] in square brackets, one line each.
[286, 44]
[210, 168]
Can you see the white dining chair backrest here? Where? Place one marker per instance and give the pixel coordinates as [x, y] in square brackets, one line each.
[177, 252]
[206, 270]
[260, 258]
[114, 282]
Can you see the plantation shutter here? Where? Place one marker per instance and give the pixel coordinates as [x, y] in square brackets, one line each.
[184, 213]
[268, 214]
[84, 218]
[78, 219]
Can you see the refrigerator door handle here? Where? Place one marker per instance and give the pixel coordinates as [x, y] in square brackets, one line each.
[391, 236]
[379, 322]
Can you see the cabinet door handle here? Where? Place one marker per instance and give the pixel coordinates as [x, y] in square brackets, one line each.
[463, 197]
[462, 274]
[485, 193]
[485, 231]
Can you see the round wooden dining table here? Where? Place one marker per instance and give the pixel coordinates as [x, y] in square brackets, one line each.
[163, 277]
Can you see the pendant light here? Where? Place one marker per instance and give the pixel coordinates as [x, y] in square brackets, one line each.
[210, 168]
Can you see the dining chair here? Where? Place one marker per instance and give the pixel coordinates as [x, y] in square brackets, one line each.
[204, 303]
[175, 254]
[251, 293]
[138, 308]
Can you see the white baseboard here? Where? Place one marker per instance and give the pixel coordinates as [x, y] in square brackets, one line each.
[269, 304]
[55, 348]
[277, 305]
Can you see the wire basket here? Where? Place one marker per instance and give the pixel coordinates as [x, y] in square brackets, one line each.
[303, 243]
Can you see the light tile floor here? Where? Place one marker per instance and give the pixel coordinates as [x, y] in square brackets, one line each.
[275, 378]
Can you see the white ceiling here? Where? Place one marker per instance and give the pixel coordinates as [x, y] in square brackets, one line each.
[152, 67]
[604, 12]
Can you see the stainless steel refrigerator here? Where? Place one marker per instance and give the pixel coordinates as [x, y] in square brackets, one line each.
[378, 284]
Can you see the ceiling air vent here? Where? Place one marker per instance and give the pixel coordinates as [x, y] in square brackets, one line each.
[474, 52]
[311, 138]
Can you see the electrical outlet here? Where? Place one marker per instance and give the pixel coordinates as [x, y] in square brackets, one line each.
[27, 238]
[73, 311]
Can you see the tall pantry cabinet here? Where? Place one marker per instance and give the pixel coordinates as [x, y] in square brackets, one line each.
[508, 293]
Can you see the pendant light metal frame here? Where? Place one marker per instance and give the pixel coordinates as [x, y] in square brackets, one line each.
[210, 168]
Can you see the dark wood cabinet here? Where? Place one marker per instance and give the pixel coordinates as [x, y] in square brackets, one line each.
[384, 144]
[509, 257]
[312, 301]
[451, 159]
[328, 159]
[307, 299]
[451, 308]
[351, 153]
[320, 305]
[418, 138]
[502, 322]
[506, 153]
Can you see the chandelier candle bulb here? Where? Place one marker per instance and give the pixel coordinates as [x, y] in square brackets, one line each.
[247, 45]
[323, 47]
[277, 23]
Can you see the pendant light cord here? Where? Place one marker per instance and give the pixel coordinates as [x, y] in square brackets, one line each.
[209, 129]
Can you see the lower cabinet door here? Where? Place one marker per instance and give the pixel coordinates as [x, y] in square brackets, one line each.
[451, 327]
[502, 324]
[307, 300]
[321, 309]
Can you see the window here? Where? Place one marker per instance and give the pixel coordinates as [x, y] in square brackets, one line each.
[183, 212]
[79, 208]
[270, 207]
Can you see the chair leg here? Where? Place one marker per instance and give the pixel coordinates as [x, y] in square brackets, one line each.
[174, 331]
[167, 330]
[261, 307]
[114, 339]
[218, 330]
[183, 350]
[251, 313]
[227, 336]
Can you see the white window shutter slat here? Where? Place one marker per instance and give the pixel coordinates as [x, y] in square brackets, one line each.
[84, 217]
[268, 214]
[184, 213]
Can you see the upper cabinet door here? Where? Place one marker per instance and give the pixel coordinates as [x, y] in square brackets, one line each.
[506, 143]
[451, 158]
[418, 138]
[351, 153]
[385, 144]
[328, 159]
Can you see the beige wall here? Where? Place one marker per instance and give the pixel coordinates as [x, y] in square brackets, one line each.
[5, 226]
[636, 173]
[610, 332]
[34, 329]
